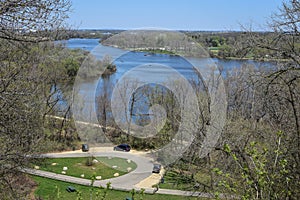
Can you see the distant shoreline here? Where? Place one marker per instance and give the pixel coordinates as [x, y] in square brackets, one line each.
[166, 52]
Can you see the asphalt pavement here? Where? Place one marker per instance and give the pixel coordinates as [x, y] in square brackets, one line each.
[125, 182]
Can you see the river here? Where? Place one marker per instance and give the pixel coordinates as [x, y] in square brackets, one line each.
[137, 58]
[152, 67]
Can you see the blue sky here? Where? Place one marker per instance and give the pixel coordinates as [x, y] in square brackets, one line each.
[207, 15]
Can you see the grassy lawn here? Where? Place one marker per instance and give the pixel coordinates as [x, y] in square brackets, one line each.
[50, 189]
[173, 180]
[78, 166]
[121, 163]
[176, 181]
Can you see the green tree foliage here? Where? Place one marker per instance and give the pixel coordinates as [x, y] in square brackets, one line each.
[261, 172]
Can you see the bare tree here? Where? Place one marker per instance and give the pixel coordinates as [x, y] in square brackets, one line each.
[260, 163]
[26, 78]
[29, 20]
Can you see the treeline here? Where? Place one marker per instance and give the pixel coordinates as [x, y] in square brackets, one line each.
[236, 44]
[228, 45]
[90, 33]
[223, 44]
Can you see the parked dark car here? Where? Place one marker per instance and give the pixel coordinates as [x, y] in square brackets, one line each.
[122, 147]
[156, 168]
[85, 147]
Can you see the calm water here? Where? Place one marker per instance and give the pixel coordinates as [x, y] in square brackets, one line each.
[80, 43]
[126, 61]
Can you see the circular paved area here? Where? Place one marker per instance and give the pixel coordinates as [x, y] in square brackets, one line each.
[141, 177]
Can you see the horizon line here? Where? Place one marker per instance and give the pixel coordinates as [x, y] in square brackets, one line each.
[147, 28]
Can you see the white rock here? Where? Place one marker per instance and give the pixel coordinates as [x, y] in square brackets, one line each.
[115, 166]
[53, 164]
[129, 161]
[98, 177]
[109, 157]
[129, 169]
[82, 175]
[63, 172]
[93, 168]
[116, 174]
[36, 167]
[65, 168]
[95, 161]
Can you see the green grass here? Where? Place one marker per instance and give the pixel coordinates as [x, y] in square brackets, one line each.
[177, 181]
[214, 48]
[121, 163]
[49, 189]
[173, 180]
[77, 166]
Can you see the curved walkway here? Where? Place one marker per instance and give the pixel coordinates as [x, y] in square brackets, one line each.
[125, 182]
[139, 178]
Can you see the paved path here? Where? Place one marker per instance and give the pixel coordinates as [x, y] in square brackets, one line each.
[121, 187]
[139, 178]
[124, 182]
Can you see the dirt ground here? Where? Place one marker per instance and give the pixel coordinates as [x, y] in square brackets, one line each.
[152, 180]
